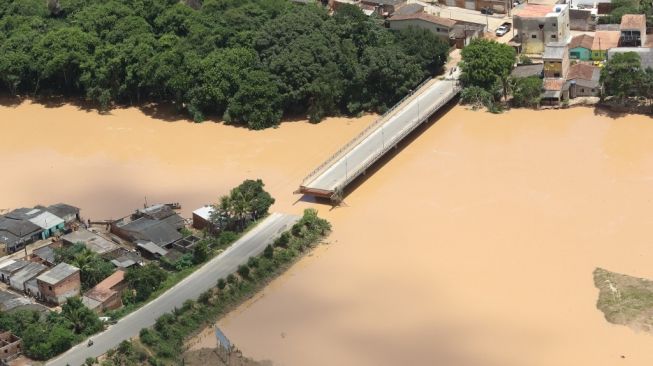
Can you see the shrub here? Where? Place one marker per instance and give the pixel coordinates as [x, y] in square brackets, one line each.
[268, 252]
[222, 283]
[243, 271]
[476, 97]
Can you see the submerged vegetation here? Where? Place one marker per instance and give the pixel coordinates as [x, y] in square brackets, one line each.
[246, 61]
[624, 299]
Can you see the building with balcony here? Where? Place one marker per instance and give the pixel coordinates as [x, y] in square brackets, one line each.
[632, 30]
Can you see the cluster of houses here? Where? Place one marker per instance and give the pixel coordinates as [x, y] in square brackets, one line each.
[571, 66]
[400, 14]
[152, 232]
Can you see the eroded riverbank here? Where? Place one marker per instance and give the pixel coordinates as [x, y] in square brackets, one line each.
[475, 245]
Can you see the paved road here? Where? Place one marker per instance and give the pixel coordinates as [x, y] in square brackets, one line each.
[191, 287]
[340, 172]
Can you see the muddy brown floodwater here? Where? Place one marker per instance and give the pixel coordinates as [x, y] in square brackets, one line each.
[474, 245]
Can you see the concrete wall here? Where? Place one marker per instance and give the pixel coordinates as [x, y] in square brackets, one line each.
[582, 91]
[10, 346]
[57, 294]
[554, 29]
[499, 6]
[440, 30]
[583, 54]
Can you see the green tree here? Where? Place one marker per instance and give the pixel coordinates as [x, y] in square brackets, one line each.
[83, 320]
[486, 64]
[622, 75]
[257, 103]
[145, 280]
[526, 92]
[201, 252]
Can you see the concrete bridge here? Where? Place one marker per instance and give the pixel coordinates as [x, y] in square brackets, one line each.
[331, 177]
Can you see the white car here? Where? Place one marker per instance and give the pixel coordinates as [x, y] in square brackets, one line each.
[501, 30]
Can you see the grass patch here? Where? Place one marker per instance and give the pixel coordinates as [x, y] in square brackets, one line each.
[625, 300]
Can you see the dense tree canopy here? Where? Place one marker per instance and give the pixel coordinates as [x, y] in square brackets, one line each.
[247, 61]
[246, 203]
[526, 92]
[624, 77]
[487, 64]
[47, 335]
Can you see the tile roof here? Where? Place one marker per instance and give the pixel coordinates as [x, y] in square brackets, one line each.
[62, 209]
[409, 9]
[583, 71]
[633, 21]
[604, 40]
[534, 11]
[103, 290]
[583, 40]
[425, 17]
[553, 84]
[57, 274]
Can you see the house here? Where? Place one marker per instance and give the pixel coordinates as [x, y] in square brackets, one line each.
[158, 224]
[16, 233]
[604, 41]
[499, 6]
[580, 47]
[123, 258]
[439, 26]
[633, 30]
[50, 224]
[524, 71]
[645, 57]
[59, 283]
[10, 346]
[150, 249]
[202, 218]
[384, 8]
[106, 295]
[555, 91]
[463, 33]
[600, 6]
[407, 9]
[91, 240]
[18, 280]
[44, 255]
[581, 20]
[556, 60]
[583, 80]
[538, 25]
[68, 213]
[10, 267]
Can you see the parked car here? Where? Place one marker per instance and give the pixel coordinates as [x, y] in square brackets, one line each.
[487, 11]
[503, 29]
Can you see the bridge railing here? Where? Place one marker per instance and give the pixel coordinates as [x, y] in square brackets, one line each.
[455, 89]
[374, 125]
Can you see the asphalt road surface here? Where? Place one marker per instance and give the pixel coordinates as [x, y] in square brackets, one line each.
[387, 134]
[251, 244]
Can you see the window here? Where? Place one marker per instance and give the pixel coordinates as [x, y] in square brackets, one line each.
[554, 36]
[556, 75]
[582, 90]
[554, 24]
[593, 90]
[437, 29]
[534, 36]
[50, 288]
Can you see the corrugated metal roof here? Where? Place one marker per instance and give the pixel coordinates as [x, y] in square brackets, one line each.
[46, 220]
[204, 212]
[57, 274]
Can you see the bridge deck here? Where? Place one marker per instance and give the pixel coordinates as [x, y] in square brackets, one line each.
[353, 159]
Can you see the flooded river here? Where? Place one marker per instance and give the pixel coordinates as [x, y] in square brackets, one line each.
[474, 245]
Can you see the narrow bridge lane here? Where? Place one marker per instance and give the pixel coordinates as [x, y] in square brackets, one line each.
[332, 177]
